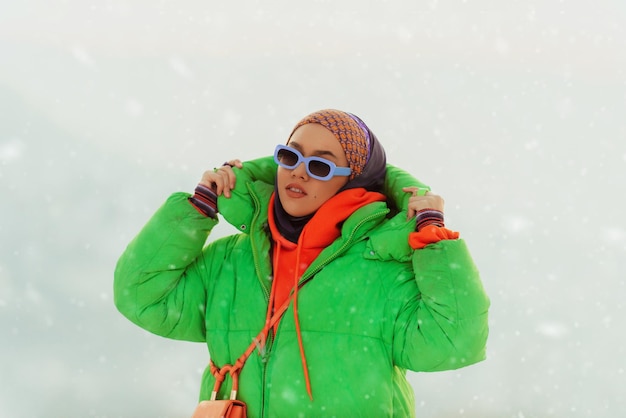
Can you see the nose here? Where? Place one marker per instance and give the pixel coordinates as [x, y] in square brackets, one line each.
[300, 171]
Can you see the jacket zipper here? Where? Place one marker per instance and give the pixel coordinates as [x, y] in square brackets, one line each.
[270, 337]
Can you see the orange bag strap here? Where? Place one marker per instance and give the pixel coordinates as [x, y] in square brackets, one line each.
[235, 369]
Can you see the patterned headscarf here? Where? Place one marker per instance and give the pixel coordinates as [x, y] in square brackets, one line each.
[350, 131]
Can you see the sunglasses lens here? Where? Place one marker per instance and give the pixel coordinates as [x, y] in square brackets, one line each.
[319, 168]
[287, 158]
[315, 166]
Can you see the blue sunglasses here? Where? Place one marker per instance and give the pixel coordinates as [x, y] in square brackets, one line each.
[317, 167]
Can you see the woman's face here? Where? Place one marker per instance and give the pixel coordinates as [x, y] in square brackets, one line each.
[299, 193]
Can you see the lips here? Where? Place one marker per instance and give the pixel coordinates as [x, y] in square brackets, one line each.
[294, 190]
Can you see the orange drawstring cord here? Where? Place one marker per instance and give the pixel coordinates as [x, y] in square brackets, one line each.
[305, 368]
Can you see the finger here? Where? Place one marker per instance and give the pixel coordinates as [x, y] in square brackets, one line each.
[232, 178]
[413, 190]
[416, 191]
[235, 163]
[225, 181]
[227, 170]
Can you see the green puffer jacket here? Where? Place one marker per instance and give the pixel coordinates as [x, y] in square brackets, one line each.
[370, 307]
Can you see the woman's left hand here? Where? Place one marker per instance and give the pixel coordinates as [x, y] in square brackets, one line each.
[221, 179]
[420, 201]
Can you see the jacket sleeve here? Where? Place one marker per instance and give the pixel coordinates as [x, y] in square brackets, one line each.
[158, 280]
[444, 324]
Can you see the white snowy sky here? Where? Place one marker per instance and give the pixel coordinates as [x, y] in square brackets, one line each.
[513, 111]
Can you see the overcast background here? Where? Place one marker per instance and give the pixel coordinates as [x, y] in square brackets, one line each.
[515, 113]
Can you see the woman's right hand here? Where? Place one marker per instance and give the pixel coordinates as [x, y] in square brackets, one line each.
[222, 179]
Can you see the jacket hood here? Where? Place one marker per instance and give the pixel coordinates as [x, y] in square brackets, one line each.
[255, 184]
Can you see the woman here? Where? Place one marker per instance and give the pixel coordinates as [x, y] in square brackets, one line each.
[370, 294]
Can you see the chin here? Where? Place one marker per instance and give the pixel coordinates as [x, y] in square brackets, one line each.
[293, 208]
[296, 210]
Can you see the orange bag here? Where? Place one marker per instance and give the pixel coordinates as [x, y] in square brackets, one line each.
[230, 408]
